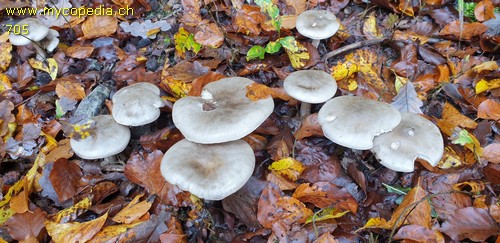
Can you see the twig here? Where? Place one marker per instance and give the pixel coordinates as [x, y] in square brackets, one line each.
[351, 47]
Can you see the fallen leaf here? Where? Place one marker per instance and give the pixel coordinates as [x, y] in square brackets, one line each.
[26, 224]
[326, 194]
[112, 233]
[145, 29]
[473, 223]
[282, 182]
[209, 34]
[256, 91]
[72, 212]
[174, 233]
[5, 56]
[489, 109]
[191, 15]
[79, 52]
[407, 100]
[97, 26]
[484, 85]
[418, 233]
[454, 117]
[248, 20]
[49, 65]
[370, 27]
[309, 127]
[491, 153]
[133, 211]
[484, 10]
[469, 30]
[470, 186]
[71, 90]
[73, 232]
[143, 168]
[289, 168]
[184, 41]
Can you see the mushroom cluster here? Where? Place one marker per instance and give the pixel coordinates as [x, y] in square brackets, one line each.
[396, 139]
[213, 162]
[34, 31]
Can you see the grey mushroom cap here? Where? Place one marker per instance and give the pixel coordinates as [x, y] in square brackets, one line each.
[311, 86]
[209, 171]
[137, 104]
[415, 137]
[223, 112]
[110, 138]
[353, 121]
[317, 24]
[51, 41]
[36, 32]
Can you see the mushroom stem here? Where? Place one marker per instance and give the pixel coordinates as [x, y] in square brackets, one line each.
[305, 110]
[315, 43]
[40, 52]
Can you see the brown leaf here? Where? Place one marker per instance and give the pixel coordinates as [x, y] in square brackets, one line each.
[491, 153]
[416, 233]
[133, 211]
[484, 10]
[326, 194]
[26, 224]
[495, 211]
[191, 15]
[281, 145]
[326, 238]
[5, 56]
[489, 109]
[70, 90]
[63, 150]
[66, 179]
[97, 26]
[174, 233]
[248, 19]
[203, 80]
[258, 91]
[469, 30]
[243, 203]
[281, 181]
[309, 127]
[79, 52]
[75, 232]
[473, 223]
[257, 142]
[161, 139]
[209, 34]
[143, 168]
[454, 117]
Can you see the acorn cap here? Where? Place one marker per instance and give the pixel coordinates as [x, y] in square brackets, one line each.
[209, 171]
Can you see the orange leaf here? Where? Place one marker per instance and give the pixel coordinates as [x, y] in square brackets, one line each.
[491, 153]
[71, 90]
[209, 34]
[469, 30]
[489, 109]
[97, 26]
[309, 127]
[75, 232]
[79, 52]
[248, 19]
[133, 211]
[326, 194]
[174, 233]
[484, 10]
[258, 91]
[471, 186]
[453, 116]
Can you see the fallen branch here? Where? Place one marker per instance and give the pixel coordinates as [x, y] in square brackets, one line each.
[352, 46]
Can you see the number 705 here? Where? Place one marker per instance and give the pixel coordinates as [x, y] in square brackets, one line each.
[17, 29]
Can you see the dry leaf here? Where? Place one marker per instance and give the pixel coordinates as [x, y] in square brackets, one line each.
[75, 232]
[256, 91]
[484, 10]
[71, 90]
[209, 34]
[248, 20]
[469, 30]
[491, 153]
[79, 52]
[289, 168]
[5, 56]
[98, 26]
[309, 127]
[326, 194]
[489, 109]
[26, 224]
[454, 117]
[473, 223]
[133, 211]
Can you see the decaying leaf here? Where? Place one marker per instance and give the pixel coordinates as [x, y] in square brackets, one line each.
[453, 116]
[5, 56]
[26, 224]
[473, 223]
[289, 168]
[309, 127]
[469, 31]
[97, 26]
[146, 29]
[489, 109]
[49, 65]
[209, 34]
[407, 100]
[71, 90]
[326, 194]
[258, 91]
[184, 41]
[133, 211]
[71, 232]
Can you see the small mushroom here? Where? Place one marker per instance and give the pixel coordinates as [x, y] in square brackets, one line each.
[209, 171]
[353, 121]
[223, 112]
[137, 104]
[415, 137]
[110, 138]
[310, 87]
[317, 25]
[38, 34]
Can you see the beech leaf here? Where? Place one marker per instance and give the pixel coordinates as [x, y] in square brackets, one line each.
[407, 100]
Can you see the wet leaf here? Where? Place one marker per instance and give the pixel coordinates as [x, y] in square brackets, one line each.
[70, 90]
[133, 211]
[208, 34]
[484, 10]
[26, 224]
[174, 233]
[72, 212]
[49, 65]
[256, 52]
[473, 223]
[484, 85]
[248, 20]
[191, 14]
[407, 100]
[370, 27]
[418, 233]
[326, 214]
[491, 153]
[309, 127]
[289, 168]
[184, 41]
[66, 179]
[326, 194]
[453, 116]
[296, 52]
[489, 109]
[81, 232]
[470, 186]
[462, 137]
[5, 56]
[97, 26]
[258, 91]
[79, 52]
[113, 232]
[469, 31]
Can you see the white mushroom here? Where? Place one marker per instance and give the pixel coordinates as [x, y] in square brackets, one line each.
[223, 112]
[137, 104]
[110, 138]
[310, 87]
[209, 171]
[33, 30]
[415, 137]
[353, 121]
[317, 25]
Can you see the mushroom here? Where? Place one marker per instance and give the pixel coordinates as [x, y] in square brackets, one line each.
[415, 137]
[137, 104]
[223, 112]
[209, 171]
[310, 87]
[317, 25]
[36, 32]
[110, 138]
[353, 121]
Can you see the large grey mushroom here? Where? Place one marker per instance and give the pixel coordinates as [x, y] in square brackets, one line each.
[415, 137]
[353, 121]
[223, 112]
[209, 171]
[317, 25]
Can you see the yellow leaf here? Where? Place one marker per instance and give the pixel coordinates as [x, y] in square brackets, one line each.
[325, 214]
[133, 211]
[2, 240]
[375, 223]
[72, 211]
[51, 143]
[179, 88]
[370, 27]
[5, 214]
[484, 85]
[450, 159]
[49, 65]
[298, 58]
[399, 82]
[108, 233]
[5, 56]
[344, 69]
[353, 85]
[75, 232]
[485, 66]
[4, 82]
[475, 186]
[289, 168]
